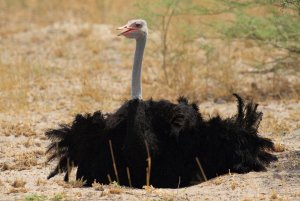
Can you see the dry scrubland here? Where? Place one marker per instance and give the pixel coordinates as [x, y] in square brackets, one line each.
[59, 58]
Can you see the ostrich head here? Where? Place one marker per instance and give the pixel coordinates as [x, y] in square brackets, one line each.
[134, 29]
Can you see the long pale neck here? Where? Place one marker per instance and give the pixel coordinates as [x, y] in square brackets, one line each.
[136, 82]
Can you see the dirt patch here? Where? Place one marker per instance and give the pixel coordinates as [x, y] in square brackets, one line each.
[23, 174]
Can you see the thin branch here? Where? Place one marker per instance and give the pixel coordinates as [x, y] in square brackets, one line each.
[114, 162]
[179, 181]
[109, 178]
[148, 169]
[201, 169]
[128, 176]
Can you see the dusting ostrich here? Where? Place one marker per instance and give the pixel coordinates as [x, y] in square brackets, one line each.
[161, 143]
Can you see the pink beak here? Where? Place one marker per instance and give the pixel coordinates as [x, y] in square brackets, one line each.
[125, 29]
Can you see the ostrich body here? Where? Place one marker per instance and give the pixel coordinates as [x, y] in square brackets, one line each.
[158, 142]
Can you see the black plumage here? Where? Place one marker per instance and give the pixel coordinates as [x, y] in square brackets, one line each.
[172, 135]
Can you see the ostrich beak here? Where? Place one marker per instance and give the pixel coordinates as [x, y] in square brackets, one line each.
[122, 27]
[125, 29]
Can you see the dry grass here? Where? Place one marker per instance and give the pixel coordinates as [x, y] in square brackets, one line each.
[217, 181]
[5, 167]
[14, 86]
[279, 147]
[17, 190]
[24, 161]
[274, 196]
[114, 190]
[272, 124]
[97, 186]
[149, 189]
[17, 129]
[41, 182]
[18, 183]
[233, 185]
[77, 183]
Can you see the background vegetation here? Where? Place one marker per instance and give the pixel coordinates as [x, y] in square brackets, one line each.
[204, 49]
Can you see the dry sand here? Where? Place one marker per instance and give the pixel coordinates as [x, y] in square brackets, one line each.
[22, 160]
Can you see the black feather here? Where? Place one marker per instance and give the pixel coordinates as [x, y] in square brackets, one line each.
[175, 134]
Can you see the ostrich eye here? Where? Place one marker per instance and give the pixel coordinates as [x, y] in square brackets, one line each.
[138, 25]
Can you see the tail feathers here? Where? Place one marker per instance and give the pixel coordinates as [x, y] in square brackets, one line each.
[235, 144]
[240, 109]
[72, 143]
[62, 166]
[59, 137]
[247, 115]
[266, 157]
[248, 120]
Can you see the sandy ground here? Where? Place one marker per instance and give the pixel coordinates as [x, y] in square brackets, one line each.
[60, 58]
[22, 160]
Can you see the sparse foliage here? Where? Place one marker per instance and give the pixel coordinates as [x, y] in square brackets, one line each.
[181, 40]
[35, 197]
[97, 186]
[293, 4]
[176, 34]
[57, 197]
[78, 183]
[18, 183]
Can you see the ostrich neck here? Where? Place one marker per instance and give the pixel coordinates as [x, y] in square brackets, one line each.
[136, 83]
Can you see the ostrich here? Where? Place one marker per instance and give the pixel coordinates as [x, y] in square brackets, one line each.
[161, 143]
